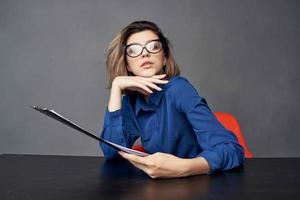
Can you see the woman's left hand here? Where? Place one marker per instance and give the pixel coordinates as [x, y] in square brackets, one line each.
[158, 165]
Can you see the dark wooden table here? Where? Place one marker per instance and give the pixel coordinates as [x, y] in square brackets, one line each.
[71, 177]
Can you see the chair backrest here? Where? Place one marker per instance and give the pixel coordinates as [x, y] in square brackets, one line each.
[231, 124]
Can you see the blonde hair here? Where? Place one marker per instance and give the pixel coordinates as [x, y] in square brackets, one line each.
[116, 59]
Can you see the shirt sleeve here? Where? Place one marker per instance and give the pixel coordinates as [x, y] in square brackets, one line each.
[220, 146]
[118, 127]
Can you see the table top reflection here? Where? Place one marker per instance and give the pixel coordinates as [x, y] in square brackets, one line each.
[75, 177]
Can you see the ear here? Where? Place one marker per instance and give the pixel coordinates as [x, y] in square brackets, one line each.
[165, 61]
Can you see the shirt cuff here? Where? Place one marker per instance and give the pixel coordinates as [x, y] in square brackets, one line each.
[113, 118]
[213, 160]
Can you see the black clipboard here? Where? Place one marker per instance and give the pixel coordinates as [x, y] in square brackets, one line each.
[53, 114]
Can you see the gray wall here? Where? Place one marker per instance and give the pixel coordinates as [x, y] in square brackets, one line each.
[242, 56]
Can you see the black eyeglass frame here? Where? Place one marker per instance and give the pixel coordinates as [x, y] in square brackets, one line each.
[143, 47]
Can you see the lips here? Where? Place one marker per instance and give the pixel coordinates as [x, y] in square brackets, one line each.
[146, 63]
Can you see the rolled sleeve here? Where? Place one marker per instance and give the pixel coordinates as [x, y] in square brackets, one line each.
[113, 132]
[118, 128]
[213, 160]
[113, 118]
[223, 157]
[219, 147]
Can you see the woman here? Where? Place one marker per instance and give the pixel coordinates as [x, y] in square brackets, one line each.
[150, 100]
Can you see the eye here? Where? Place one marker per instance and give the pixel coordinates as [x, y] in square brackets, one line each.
[130, 50]
[154, 46]
[133, 49]
[157, 45]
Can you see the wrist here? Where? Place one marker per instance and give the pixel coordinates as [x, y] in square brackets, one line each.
[196, 166]
[115, 97]
[115, 86]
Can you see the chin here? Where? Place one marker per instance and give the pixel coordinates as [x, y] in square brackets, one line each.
[148, 73]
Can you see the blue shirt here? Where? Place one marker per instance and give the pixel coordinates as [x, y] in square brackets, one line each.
[175, 120]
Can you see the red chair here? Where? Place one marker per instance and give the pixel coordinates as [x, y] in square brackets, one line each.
[230, 123]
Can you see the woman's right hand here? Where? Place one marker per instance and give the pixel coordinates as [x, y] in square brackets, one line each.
[140, 84]
[144, 85]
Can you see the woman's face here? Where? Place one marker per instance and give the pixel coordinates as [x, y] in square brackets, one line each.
[146, 64]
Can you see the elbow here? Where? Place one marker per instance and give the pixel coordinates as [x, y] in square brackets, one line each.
[232, 156]
[224, 157]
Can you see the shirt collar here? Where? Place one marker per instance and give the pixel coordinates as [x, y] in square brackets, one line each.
[152, 103]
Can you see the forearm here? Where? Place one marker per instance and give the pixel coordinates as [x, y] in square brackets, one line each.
[112, 127]
[115, 99]
[195, 166]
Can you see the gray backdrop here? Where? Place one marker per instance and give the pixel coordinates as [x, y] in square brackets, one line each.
[242, 56]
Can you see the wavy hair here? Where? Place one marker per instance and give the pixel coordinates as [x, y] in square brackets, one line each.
[115, 56]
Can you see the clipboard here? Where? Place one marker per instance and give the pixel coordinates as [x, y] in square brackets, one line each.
[53, 114]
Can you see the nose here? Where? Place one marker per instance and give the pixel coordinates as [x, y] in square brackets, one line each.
[145, 53]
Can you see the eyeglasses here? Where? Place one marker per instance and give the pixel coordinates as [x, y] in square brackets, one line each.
[135, 49]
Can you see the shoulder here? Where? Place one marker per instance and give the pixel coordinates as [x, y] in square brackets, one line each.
[183, 94]
[179, 85]
[177, 79]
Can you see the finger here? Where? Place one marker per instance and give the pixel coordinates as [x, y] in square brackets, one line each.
[156, 80]
[149, 84]
[147, 169]
[159, 76]
[143, 91]
[143, 87]
[134, 158]
[139, 90]
[141, 167]
[138, 165]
